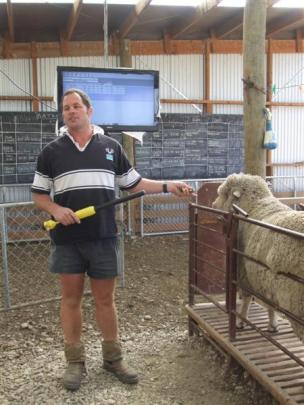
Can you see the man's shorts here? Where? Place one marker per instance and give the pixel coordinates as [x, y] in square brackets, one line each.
[99, 259]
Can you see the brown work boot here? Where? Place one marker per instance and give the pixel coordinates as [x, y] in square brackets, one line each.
[75, 357]
[113, 362]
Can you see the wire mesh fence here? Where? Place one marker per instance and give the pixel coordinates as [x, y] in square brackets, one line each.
[25, 246]
[24, 253]
[161, 214]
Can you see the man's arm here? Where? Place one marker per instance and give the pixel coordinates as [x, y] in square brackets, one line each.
[178, 188]
[61, 214]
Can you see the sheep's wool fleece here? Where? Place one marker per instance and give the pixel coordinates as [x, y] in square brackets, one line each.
[280, 253]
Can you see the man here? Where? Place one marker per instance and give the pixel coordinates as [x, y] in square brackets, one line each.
[82, 167]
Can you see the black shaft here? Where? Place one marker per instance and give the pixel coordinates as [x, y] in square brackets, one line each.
[120, 200]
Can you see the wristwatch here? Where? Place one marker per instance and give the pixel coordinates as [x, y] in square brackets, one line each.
[165, 188]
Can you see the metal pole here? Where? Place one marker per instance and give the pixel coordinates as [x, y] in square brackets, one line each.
[141, 216]
[129, 219]
[105, 34]
[232, 278]
[7, 300]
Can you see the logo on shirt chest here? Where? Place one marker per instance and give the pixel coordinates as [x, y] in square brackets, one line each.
[110, 154]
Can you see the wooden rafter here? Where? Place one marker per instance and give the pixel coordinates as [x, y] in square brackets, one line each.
[235, 23]
[299, 39]
[185, 23]
[133, 17]
[10, 20]
[286, 22]
[73, 18]
[232, 25]
[271, 3]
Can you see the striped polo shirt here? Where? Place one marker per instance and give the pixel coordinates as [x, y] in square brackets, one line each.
[80, 178]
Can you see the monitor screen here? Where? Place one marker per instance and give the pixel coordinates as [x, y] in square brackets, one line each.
[122, 99]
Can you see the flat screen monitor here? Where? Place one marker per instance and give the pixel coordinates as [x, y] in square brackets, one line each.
[123, 99]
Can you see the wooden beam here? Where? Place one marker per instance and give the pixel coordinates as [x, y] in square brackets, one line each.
[285, 23]
[10, 20]
[6, 43]
[73, 19]
[167, 44]
[271, 3]
[35, 103]
[166, 101]
[185, 23]
[207, 65]
[133, 17]
[269, 78]
[233, 24]
[254, 80]
[17, 50]
[299, 40]
[64, 47]
[25, 98]
[227, 102]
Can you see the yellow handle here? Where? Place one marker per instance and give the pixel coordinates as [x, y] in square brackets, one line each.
[83, 213]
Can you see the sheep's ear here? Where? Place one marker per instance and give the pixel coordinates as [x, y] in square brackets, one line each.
[237, 193]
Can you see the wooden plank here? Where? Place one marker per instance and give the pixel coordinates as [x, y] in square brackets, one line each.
[297, 390]
[207, 88]
[271, 348]
[275, 354]
[299, 399]
[228, 346]
[280, 365]
[133, 17]
[285, 371]
[16, 50]
[298, 382]
[287, 378]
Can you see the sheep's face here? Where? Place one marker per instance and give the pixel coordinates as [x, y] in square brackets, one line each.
[226, 197]
[241, 189]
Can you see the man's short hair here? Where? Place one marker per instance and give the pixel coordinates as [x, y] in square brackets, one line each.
[84, 97]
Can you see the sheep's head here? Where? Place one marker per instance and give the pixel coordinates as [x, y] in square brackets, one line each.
[241, 189]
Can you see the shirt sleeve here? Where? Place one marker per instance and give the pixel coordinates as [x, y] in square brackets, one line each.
[42, 183]
[126, 176]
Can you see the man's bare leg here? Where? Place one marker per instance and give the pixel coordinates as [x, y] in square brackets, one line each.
[106, 316]
[72, 286]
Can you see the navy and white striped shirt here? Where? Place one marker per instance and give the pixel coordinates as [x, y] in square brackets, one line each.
[81, 178]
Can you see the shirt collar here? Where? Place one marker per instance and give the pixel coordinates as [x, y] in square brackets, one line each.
[95, 130]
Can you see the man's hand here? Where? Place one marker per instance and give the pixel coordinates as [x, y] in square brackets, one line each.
[180, 188]
[65, 216]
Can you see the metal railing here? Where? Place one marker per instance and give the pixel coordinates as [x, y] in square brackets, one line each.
[201, 278]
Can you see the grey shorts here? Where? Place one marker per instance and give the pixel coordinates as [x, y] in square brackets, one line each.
[99, 259]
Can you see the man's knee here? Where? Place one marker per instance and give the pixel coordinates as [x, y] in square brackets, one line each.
[105, 301]
[71, 302]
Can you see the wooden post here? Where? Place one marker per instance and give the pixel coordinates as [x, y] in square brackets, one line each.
[269, 168]
[208, 106]
[128, 141]
[35, 102]
[254, 82]
[126, 61]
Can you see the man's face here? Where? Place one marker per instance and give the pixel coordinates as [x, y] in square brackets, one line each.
[76, 115]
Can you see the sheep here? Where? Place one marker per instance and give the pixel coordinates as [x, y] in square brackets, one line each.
[280, 253]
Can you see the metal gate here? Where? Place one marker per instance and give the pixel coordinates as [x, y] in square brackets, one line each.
[274, 360]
